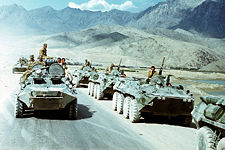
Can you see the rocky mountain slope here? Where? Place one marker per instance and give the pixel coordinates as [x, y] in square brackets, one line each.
[47, 20]
[197, 16]
[165, 14]
[107, 44]
[207, 19]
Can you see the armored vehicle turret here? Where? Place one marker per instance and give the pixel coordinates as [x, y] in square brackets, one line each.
[46, 89]
[209, 117]
[20, 66]
[134, 98]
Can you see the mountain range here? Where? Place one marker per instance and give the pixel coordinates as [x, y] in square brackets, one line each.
[203, 17]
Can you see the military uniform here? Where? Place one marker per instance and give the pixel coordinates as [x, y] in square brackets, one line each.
[151, 73]
[27, 72]
[43, 53]
[64, 66]
[109, 69]
[87, 63]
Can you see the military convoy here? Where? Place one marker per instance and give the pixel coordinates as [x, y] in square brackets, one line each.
[20, 66]
[209, 117]
[47, 88]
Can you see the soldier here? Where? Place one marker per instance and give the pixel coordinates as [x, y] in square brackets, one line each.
[109, 69]
[59, 60]
[43, 51]
[152, 72]
[28, 72]
[87, 63]
[31, 63]
[64, 63]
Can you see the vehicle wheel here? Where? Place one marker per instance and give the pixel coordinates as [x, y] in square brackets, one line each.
[99, 93]
[126, 107]
[95, 90]
[114, 101]
[89, 88]
[206, 139]
[92, 89]
[134, 114]
[120, 102]
[19, 109]
[72, 110]
[221, 144]
[75, 82]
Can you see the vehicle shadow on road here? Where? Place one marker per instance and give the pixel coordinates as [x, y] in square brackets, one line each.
[83, 113]
[168, 121]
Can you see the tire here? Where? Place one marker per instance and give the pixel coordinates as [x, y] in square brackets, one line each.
[206, 139]
[126, 107]
[134, 114]
[19, 109]
[99, 93]
[114, 101]
[92, 89]
[120, 102]
[221, 144]
[75, 82]
[89, 88]
[95, 90]
[72, 110]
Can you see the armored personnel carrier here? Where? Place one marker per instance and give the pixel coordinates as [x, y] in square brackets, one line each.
[101, 84]
[134, 98]
[209, 117]
[20, 66]
[82, 75]
[46, 89]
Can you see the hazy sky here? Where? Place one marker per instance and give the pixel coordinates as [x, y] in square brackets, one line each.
[94, 5]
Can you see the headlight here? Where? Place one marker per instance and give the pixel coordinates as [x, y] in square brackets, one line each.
[38, 71]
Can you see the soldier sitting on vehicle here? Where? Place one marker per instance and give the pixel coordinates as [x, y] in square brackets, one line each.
[86, 64]
[43, 51]
[151, 73]
[109, 69]
[41, 61]
[28, 72]
[64, 64]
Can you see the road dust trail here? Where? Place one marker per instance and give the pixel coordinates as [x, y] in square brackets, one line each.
[95, 127]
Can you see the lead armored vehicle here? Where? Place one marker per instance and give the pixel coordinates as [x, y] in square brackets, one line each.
[134, 98]
[20, 66]
[46, 89]
[209, 117]
[82, 75]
